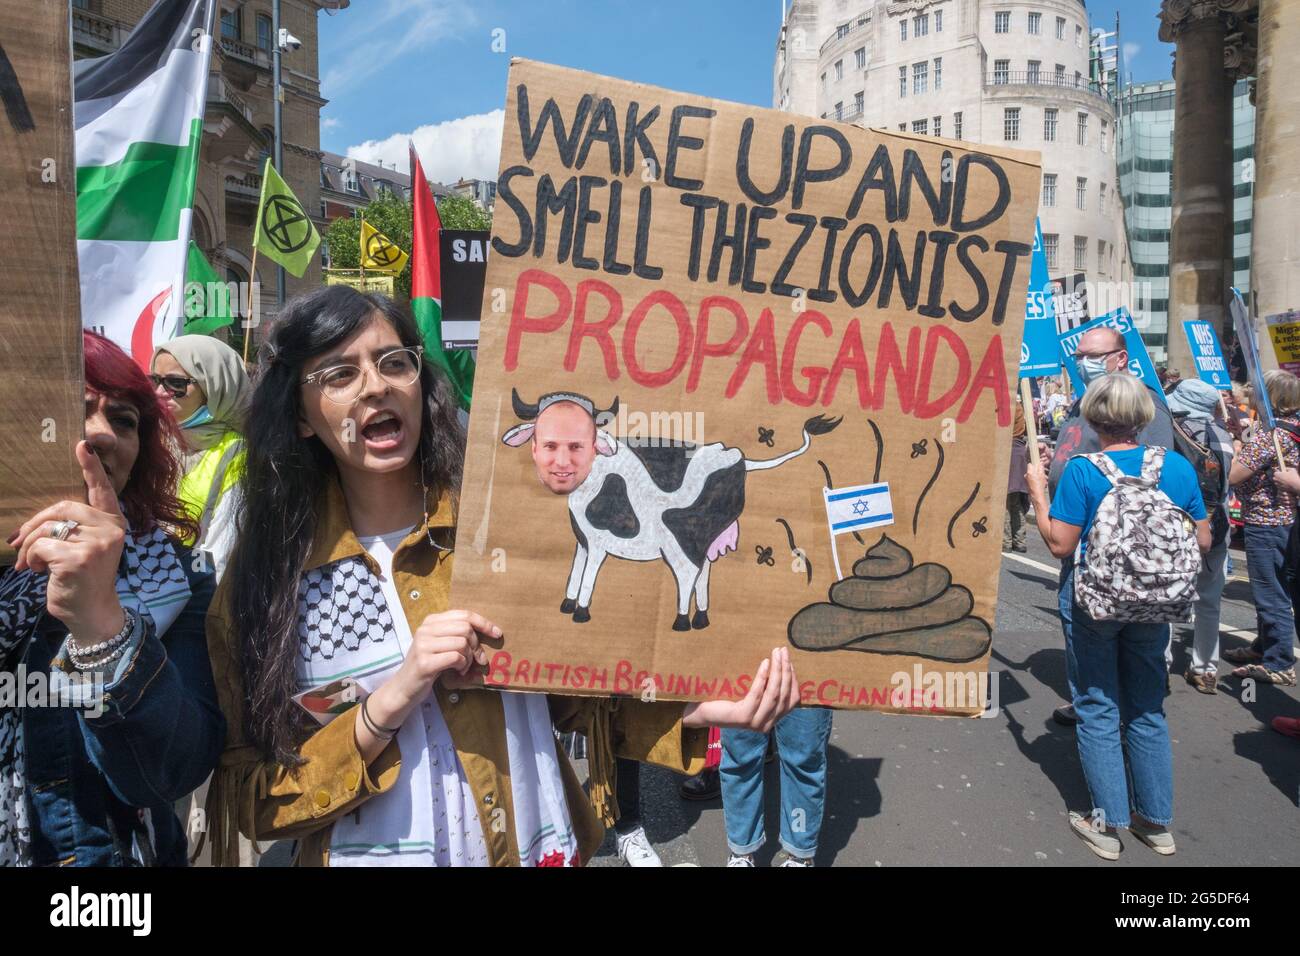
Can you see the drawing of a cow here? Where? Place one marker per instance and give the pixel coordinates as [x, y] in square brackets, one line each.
[661, 500]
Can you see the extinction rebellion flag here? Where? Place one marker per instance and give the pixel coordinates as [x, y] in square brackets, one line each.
[284, 232]
[139, 121]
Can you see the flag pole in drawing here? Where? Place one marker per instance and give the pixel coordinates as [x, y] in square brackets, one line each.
[851, 509]
[379, 253]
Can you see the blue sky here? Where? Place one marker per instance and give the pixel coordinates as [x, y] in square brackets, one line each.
[397, 69]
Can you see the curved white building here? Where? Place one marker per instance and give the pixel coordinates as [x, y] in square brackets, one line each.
[1013, 73]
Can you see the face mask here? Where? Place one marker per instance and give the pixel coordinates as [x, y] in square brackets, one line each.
[1091, 369]
[202, 415]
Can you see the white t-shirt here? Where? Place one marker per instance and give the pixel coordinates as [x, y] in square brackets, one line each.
[458, 839]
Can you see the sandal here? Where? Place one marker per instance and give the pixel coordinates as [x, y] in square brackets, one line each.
[1206, 683]
[1105, 845]
[1242, 655]
[1259, 672]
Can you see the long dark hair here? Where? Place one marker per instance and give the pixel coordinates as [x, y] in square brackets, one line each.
[284, 477]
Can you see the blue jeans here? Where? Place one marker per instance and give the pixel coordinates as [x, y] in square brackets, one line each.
[801, 738]
[1065, 605]
[1120, 670]
[1271, 586]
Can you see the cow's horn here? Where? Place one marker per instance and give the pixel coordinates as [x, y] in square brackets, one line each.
[523, 410]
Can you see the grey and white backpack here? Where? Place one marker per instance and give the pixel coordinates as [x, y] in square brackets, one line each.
[1142, 558]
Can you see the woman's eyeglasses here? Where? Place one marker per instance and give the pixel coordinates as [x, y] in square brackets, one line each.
[343, 383]
[176, 385]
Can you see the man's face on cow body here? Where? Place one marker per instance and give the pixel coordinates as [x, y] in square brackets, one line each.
[564, 447]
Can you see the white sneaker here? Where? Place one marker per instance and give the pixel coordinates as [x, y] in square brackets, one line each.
[634, 849]
[738, 860]
[790, 860]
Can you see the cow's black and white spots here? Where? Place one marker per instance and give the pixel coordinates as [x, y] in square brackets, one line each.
[675, 502]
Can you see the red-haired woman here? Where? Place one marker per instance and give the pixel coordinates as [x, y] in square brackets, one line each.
[104, 612]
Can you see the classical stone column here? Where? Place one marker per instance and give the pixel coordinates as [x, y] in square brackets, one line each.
[1275, 243]
[1200, 248]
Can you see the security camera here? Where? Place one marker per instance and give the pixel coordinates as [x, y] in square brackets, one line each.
[288, 41]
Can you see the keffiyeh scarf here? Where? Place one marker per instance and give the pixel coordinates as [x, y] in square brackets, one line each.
[151, 582]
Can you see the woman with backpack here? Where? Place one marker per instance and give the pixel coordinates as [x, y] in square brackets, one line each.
[1268, 513]
[1129, 510]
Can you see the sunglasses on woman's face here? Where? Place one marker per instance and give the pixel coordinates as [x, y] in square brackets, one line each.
[176, 385]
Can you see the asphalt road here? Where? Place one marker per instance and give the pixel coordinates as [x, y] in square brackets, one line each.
[906, 790]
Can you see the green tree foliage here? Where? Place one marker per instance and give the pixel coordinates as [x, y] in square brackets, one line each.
[391, 215]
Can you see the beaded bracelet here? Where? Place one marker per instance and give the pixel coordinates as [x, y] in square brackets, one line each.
[93, 665]
[117, 640]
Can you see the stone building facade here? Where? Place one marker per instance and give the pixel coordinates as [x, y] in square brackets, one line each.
[238, 127]
[988, 71]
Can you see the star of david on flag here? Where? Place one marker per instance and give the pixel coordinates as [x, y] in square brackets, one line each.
[859, 506]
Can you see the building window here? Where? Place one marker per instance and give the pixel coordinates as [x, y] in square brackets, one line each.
[1101, 198]
[1050, 245]
[350, 183]
[323, 207]
[1011, 124]
[264, 33]
[1078, 35]
[920, 126]
[839, 70]
[1101, 255]
[1081, 192]
[938, 21]
[956, 125]
[860, 57]
[902, 81]
[938, 125]
[1032, 75]
[902, 127]
[823, 82]
[1002, 21]
[1081, 253]
[920, 78]
[1078, 79]
[902, 27]
[1049, 125]
[1104, 127]
[839, 110]
[1060, 74]
[1035, 24]
[921, 25]
[1083, 129]
[1049, 190]
[1060, 28]
[841, 31]
[938, 72]
[858, 103]
[1001, 72]
[230, 24]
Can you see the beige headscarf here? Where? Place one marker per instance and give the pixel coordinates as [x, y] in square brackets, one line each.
[220, 373]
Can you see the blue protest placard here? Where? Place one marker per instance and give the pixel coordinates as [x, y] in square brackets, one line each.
[1245, 332]
[1207, 354]
[1039, 353]
[1139, 362]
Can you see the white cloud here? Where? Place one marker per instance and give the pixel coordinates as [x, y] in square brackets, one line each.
[1131, 50]
[466, 147]
[378, 38]
[330, 122]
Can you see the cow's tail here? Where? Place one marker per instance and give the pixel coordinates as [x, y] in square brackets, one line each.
[818, 425]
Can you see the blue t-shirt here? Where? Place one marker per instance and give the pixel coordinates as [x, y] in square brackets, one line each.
[1083, 486]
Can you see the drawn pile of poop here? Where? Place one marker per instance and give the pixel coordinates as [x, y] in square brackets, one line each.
[890, 607]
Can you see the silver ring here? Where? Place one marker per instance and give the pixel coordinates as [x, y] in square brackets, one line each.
[62, 529]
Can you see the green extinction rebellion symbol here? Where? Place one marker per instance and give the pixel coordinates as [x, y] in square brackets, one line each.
[285, 224]
[381, 252]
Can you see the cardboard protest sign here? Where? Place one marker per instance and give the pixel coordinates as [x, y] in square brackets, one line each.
[1039, 353]
[40, 313]
[1284, 333]
[463, 254]
[1139, 361]
[382, 284]
[1207, 354]
[711, 328]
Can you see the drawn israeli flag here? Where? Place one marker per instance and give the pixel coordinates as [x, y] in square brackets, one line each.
[850, 509]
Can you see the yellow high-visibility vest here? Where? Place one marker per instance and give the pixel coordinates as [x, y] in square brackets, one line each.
[202, 487]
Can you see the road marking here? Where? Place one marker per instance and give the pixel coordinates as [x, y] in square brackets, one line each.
[1223, 628]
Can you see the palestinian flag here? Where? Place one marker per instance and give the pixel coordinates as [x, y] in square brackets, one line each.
[426, 287]
[139, 122]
